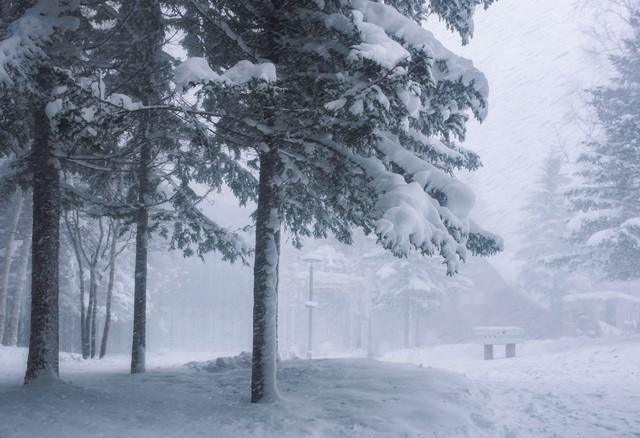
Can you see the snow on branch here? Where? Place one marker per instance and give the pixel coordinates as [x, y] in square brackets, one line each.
[584, 219]
[378, 23]
[23, 48]
[482, 242]
[458, 15]
[459, 199]
[196, 70]
[628, 230]
[406, 216]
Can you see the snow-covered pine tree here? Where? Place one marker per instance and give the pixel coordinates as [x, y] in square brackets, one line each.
[43, 75]
[95, 128]
[353, 117]
[546, 244]
[457, 15]
[145, 66]
[37, 47]
[164, 142]
[606, 225]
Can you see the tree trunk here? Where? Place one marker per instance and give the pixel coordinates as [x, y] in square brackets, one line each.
[87, 317]
[42, 362]
[84, 338]
[265, 272]
[371, 350]
[74, 236]
[84, 333]
[11, 334]
[112, 273]
[92, 310]
[407, 323]
[8, 258]
[142, 247]
[417, 334]
[359, 321]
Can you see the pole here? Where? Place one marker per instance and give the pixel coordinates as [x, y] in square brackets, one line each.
[310, 306]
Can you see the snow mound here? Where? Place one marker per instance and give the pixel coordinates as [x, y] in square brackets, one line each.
[366, 398]
[242, 360]
[320, 398]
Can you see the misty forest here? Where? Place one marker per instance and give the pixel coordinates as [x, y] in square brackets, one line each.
[323, 218]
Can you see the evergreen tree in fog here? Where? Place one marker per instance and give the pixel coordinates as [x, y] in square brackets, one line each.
[352, 114]
[606, 225]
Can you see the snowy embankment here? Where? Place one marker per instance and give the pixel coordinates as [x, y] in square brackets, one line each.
[324, 398]
[570, 388]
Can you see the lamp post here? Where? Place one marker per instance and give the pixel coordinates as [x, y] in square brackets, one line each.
[310, 303]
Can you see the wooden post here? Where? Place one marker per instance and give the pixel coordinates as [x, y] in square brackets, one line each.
[488, 352]
[510, 350]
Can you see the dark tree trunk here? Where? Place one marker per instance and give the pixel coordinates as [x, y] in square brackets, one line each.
[8, 258]
[92, 310]
[265, 273]
[84, 333]
[148, 32]
[87, 318]
[42, 362]
[142, 247]
[277, 241]
[13, 320]
[84, 338]
[112, 273]
[74, 236]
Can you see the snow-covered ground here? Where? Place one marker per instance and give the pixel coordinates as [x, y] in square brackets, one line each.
[323, 398]
[567, 388]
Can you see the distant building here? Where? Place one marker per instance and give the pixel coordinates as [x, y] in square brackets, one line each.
[595, 313]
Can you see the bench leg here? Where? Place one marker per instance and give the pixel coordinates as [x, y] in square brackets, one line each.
[511, 350]
[488, 352]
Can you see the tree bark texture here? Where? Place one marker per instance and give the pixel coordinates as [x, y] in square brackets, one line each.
[91, 327]
[139, 342]
[42, 361]
[265, 272]
[148, 31]
[112, 273]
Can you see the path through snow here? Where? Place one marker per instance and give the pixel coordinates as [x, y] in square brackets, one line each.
[567, 388]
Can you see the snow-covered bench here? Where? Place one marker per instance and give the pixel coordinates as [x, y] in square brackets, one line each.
[507, 336]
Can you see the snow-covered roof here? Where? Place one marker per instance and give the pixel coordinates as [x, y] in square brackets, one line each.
[600, 296]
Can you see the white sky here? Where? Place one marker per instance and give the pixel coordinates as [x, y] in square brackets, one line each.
[536, 57]
[534, 54]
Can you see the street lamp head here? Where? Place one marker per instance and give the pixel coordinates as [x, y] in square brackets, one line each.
[311, 258]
